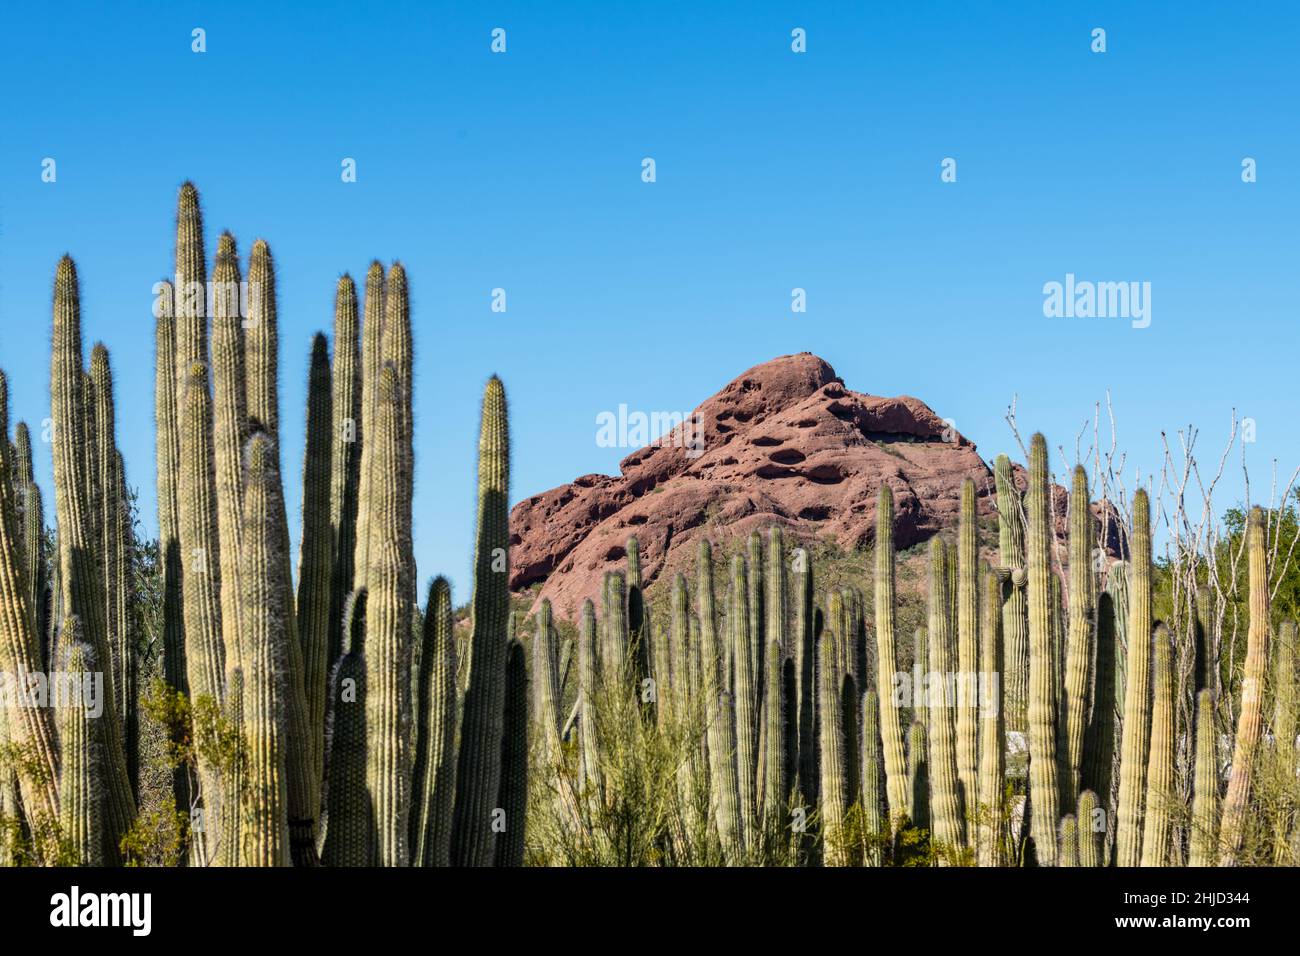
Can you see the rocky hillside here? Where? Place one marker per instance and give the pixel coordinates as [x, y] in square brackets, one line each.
[787, 443]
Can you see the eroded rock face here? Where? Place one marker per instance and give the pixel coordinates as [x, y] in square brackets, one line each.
[784, 443]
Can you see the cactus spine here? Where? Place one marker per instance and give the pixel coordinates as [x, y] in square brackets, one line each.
[1250, 718]
[1205, 794]
[478, 775]
[1160, 766]
[1136, 733]
[1043, 781]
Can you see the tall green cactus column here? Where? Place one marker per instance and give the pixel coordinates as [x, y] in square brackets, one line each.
[1072, 721]
[1205, 794]
[746, 700]
[1015, 614]
[1136, 732]
[1160, 765]
[388, 637]
[434, 780]
[79, 572]
[345, 463]
[968, 646]
[79, 783]
[372, 361]
[1043, 782]
[834, 782]
[993, 745]
[316, 555]
[891, 714]
[204, 650]
[946, 811]
[1250, 718]
[478, 774]
[513, 798]
[230, 434]
[264, 830]
[350, 817]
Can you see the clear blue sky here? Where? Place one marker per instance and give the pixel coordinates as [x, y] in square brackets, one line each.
[775, 170]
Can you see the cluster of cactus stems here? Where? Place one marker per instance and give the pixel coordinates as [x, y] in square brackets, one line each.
[352, 742]
[807, 743]
[367, 732]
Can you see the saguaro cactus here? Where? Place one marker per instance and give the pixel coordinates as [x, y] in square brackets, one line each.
[1136, 732]
[1043, 783]
[1250, 718]
[478, 774]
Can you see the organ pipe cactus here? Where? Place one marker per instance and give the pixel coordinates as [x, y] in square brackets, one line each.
[345, 461]
[1043, 780]
[1136, 733]
[874, 820]
[513, 801]
[388, 637]
[79, 572]
[1205, 793]
[968, 644]
[1074, 705]
[805, 654]
[316, 560]
[918, 776]
[946, 810]
[546, 686]
[1092, 830]
[588, 688]
[372, 361]
[347, 837]
[992, 755]
[478, 774]
[166, 414]
[230, 433]
[1250, 718]
[1015, 618]
[891, 714]
[1160, 764]
[264, 830]
[79, 783]
[747, 703]
[834, 786]
[434, 778]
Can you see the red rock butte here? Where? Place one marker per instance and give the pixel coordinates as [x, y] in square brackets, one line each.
[785, 443]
